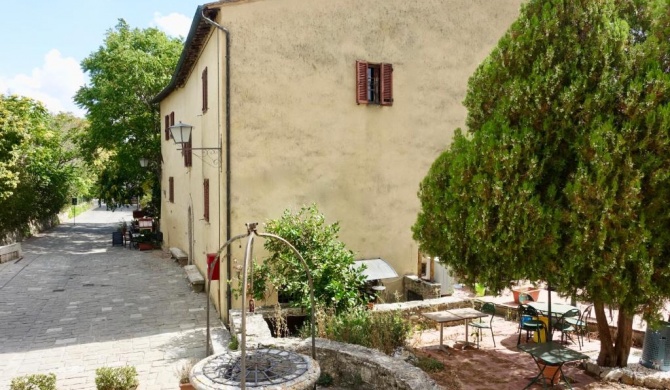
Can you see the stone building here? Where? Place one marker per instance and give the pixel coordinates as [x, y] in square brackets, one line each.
[342, 103]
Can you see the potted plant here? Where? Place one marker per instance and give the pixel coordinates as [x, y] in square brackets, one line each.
[531, 290]
[184, 372]
[116, 378]
[35, 381]
[144, 241]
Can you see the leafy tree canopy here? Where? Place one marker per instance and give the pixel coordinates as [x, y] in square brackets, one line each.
[37, 167]
[126, 73]
[563, 175]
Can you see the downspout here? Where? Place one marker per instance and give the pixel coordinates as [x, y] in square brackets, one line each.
[227, 152]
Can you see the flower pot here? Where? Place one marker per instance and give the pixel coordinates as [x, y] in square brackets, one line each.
[145, 246]
[533, 292]
[550, 374]
[186, 386]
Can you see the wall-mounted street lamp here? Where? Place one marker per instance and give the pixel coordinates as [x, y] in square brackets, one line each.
[181, 134]
[144, 162]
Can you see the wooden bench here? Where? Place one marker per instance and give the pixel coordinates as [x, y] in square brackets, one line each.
[194, 277]
[179, 255]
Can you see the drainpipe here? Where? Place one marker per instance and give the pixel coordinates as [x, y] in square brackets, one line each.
[227, 151]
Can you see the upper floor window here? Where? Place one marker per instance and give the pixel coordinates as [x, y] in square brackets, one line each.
[374, 83]
[205, 103]
[169, 121]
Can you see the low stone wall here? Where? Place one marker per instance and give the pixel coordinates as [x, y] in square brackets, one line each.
[420, 287]
[356, 367]
[10, 252]
[24, 232]
[351, 366]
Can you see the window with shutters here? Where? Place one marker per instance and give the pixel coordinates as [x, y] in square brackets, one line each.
[171, 189]
[204, 90]
[374, 83]
[205, 191]
[169, 121]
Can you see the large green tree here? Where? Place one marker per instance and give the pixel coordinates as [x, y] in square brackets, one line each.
[37, 173]
[563, 173]
[126, 73]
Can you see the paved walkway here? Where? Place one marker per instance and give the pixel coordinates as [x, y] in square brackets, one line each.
[75, 303]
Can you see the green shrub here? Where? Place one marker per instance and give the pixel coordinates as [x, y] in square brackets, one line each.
[34, 382]
[325, 380]
[383, 330]
[116, 378]
[429, 364]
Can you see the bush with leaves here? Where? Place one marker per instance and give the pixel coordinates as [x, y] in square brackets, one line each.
[385, 331]
[116, 378]
[34, 382]
[337, 284]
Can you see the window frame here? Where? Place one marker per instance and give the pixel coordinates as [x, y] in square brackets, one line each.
[374, 83]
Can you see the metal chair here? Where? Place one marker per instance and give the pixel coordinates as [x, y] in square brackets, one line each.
[482, 323]
[528, 321]
[581, 325]
[566, 327]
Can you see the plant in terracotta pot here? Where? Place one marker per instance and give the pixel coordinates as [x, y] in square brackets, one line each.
[184, 372]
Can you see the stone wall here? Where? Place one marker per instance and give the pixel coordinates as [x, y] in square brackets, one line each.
[351, 366]
[356, 367]
[420, 287]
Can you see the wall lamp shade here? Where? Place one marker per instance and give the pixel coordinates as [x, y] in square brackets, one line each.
[181, 133]
[144, 162]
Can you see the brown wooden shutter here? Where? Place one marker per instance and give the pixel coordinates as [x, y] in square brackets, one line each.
[386, 85]
[167, 127]
[172, 118]
[361, 82]
[171, 189]
[205, 185]
[188, 153]
[204, 90]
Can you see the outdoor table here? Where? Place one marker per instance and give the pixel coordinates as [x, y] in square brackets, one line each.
[557, 309]
[463, 314]
[550, 354]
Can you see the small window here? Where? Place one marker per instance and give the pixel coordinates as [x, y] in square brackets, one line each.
[171, 190]
[167, 127]
[205, 103]
[374, 83]
[205, 191]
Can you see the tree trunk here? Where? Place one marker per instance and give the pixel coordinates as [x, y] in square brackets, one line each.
[613, 353]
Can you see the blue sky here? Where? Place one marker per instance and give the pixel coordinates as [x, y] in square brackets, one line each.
[43, 41]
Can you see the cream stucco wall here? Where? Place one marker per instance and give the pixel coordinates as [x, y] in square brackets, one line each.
[298, 136]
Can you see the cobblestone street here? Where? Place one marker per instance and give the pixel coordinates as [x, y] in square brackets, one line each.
[74, 303]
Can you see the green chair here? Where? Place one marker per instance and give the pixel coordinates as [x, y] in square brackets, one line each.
[582, 324]
[566, 327]
[528, 321]
[484, 323]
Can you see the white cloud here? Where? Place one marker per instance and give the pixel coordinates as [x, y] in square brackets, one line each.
[54, 84]
[174, 24]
